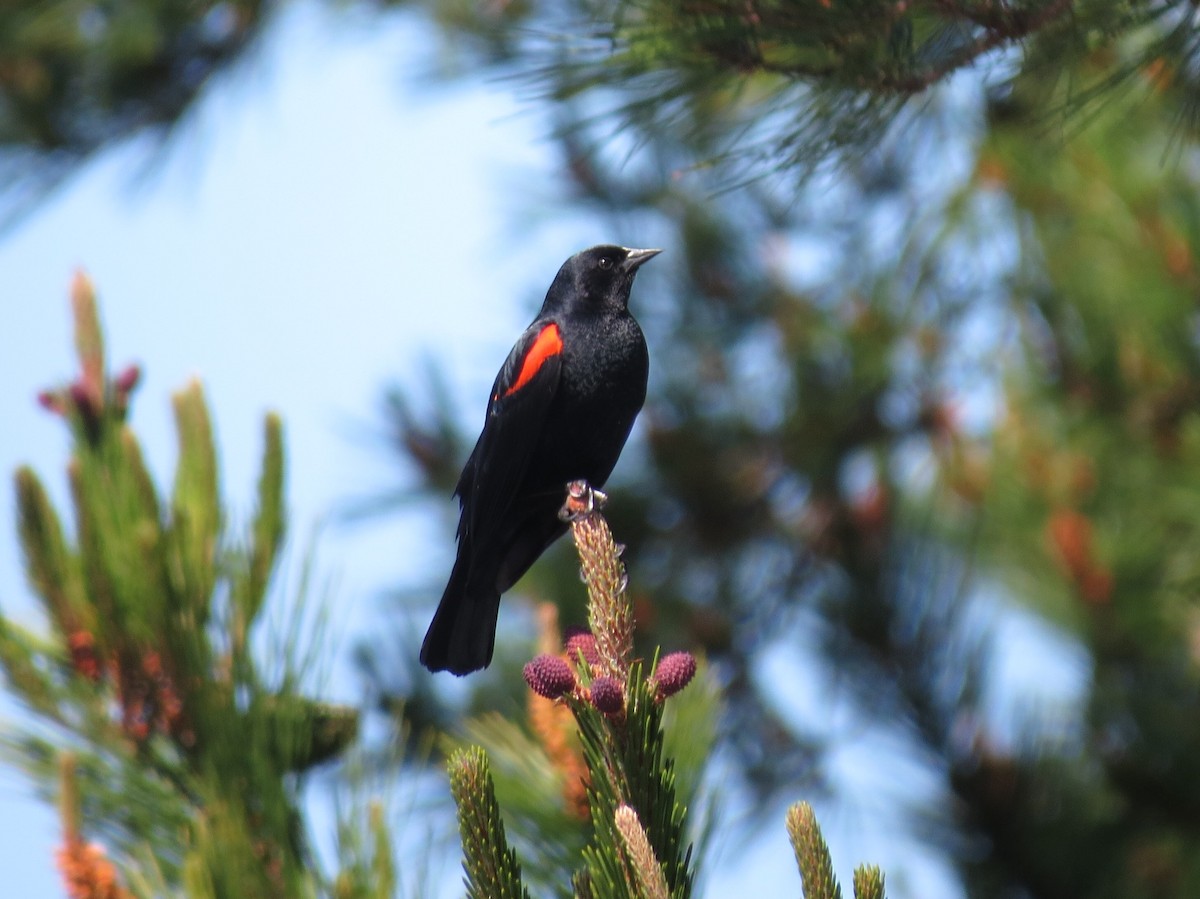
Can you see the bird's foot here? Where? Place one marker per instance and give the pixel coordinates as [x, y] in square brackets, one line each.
[582, 499]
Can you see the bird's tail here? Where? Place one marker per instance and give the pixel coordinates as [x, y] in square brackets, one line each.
[463, 633]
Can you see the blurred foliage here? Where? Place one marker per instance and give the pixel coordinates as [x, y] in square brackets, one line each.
[76, 76]
[954, 374]
[780, 86]
[1091, 494]
[170, 743]
[791, 87]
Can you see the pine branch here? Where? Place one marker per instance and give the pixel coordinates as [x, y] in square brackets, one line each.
[610, 613]
[812, 854]
[868, 882]
[269, 526]
[182, 759]
[619, 714]
[48, 564]
[639, 844]
[89, 345]
[816, 864]
[646, 869]
[747, 27]
[624, 755]
[86, 873]
[492, 869]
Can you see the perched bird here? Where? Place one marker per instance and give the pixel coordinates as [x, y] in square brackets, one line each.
[560, 410]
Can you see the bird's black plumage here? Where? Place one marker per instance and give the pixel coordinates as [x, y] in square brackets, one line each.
[560, 410]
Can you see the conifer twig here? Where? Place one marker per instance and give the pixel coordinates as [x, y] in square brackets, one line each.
[868, 882]
[492, 869]
[646, 868]
[86, 872]
[812, 854]
[610, 614]
[89, 343]
[183, 755]
[619, 713]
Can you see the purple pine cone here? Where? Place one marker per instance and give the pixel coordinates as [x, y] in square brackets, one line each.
[675, 671]
[549, 676]
[581, 640]
[607, 696]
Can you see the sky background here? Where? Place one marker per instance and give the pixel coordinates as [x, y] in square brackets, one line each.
[328, 219]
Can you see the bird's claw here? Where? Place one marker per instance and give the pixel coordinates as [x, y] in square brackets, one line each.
[582, 499]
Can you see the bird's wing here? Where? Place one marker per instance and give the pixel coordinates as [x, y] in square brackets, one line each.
[516, 414]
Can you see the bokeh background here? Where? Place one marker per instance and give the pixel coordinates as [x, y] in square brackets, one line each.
[918, 469]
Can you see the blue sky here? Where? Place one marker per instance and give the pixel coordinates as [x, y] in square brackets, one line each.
[327, 218]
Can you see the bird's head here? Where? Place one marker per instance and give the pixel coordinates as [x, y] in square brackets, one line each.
[598, 278]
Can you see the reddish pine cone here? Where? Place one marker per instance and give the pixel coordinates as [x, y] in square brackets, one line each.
[86, 401]
[127, 379]
[675, 671]
[82, 646]
[580, 640]
[52, 401]
[607, 696]
[549, 676]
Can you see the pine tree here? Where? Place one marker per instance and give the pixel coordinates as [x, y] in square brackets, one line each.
[175, 750]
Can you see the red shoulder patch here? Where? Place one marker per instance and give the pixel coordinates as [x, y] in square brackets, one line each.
[548, 343]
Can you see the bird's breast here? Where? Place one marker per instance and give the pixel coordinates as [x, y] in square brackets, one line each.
[608, 364]
[601, 389]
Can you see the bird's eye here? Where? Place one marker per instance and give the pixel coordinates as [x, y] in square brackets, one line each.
[605, 262]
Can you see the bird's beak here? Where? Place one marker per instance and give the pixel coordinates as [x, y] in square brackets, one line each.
[635, 258]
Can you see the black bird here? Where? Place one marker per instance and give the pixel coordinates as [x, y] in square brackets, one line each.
[560, 410]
